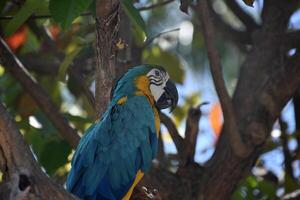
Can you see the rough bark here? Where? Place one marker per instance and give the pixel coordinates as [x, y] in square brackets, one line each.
[230, 123]
[22, 177]
[257, 101]
[266, 83]
[107, 23]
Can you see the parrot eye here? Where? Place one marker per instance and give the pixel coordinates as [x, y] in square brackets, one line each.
[157, 73]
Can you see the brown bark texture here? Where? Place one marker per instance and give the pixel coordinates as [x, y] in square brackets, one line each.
[267, 80]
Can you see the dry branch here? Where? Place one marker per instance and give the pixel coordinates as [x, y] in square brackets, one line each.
[177, 139]
[239, 148]
[246, 19]
[152, 6]
[23, 178]
[238, 37]
[16, 68]
[191, 133]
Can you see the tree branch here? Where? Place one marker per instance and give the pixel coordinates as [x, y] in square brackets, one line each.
[15, 67]
[33, 17]
[239, 148]
[246, 19]
[240, 38]
[191, 133]
[23, 178]
[295, 195]
[152, 6]
[292, 39]
[296, 101]
[51, 68]
[107, 23]
[177, 139]
[286, 152]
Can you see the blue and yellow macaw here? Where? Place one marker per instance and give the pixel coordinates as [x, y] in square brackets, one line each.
[115, 152]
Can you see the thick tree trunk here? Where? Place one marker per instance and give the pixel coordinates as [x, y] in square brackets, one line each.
[22, 176]
[265, 85]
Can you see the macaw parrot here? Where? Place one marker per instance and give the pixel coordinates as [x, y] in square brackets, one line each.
[116, 151]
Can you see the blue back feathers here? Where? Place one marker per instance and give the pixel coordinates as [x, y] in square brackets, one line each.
[113, 150]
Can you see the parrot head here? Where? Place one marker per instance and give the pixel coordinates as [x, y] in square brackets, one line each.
[152, 80]
[162, 88]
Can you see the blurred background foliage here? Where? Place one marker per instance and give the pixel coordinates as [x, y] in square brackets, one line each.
[55, 41]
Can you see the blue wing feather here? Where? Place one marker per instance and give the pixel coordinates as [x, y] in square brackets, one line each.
[113, 150]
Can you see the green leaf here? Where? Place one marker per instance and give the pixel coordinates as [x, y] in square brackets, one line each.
[65, 11]
[289, 184]
[136, 19]
[2, 4]
[92, 8]
[31, 44]
[268, 189]
[36, 140]
[166, 59]
[66, 63]
[54, 155]
[29, 7]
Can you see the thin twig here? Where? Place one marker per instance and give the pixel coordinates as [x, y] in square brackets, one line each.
[16, 68]
[152, 6]
[239, 148]
[288, 160]
[148, 41]
[33, 17]
[238, 37]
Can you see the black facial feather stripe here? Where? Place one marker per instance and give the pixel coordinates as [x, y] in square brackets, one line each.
[155, 77]
[154, 83]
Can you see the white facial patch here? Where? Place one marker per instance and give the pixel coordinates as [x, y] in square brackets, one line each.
[158, 80]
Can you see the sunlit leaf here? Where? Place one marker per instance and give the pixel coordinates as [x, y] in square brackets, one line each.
[17, 39]
[216, 119]
[31, 44]
[181, 111]
[29, 7]
[65, 11]
[166, 59]
[54, 30]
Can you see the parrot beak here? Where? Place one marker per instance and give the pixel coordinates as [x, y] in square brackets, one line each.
[169, 98]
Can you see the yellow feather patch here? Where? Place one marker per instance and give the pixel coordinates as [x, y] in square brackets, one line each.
[142, 84]
[157, 121]
[122, 100]
[138, 177]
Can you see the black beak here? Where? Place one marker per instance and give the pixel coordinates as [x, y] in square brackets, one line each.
[169, 98]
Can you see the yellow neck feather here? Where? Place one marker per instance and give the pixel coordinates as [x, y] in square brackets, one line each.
[142, 84]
